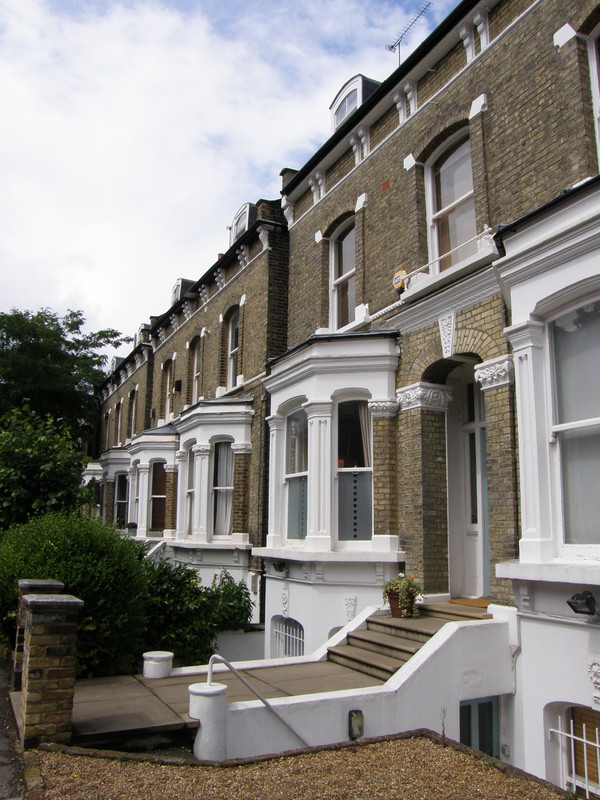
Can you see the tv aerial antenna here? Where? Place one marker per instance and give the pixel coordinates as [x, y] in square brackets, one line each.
[398, 43]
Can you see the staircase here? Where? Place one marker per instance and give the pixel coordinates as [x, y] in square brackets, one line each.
[387, 643]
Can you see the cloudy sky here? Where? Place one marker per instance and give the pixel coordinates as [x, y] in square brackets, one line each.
[133, 130]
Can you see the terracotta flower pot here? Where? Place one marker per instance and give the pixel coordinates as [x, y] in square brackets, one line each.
[406, 609]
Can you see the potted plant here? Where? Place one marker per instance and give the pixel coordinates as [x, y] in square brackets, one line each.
[401, 593]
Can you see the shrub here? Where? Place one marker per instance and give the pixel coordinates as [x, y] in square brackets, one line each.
[179, 614]
[232, 604]
[95, 564]
[184, 616]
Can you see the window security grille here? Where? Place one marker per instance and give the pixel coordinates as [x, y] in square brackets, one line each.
[289, 638]
[579, 756]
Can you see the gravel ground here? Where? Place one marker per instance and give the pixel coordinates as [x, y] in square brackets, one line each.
[401, 769]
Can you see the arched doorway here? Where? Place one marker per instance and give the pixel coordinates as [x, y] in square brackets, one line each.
[468, 542]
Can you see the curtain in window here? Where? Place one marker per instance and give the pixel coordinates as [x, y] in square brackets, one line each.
[577, 371]
[223, 488]
[365, 432]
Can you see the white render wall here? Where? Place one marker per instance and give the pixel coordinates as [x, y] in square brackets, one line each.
[464, 661]
[551, 675]
[322, 596]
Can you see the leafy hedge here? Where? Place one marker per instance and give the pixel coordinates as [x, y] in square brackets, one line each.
[130, 604]
[95, 564]
[184, 617]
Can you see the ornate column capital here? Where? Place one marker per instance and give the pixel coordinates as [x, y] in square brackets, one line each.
[144, 468]
[171, 468]
[424, 396]
[495, 372]
[201, 450]
[383, 408]
[241, 447]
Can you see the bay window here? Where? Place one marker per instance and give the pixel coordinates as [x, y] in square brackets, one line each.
[222, 489]
[158, 497]
[296, 474]
[576, 420]
[354, 472]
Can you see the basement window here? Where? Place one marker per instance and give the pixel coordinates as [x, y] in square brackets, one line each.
[479, 725]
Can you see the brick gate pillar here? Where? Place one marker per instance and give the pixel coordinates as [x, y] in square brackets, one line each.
[27, 587]
[48, 682]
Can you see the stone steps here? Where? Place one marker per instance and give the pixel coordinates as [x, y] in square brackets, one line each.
[388, 643]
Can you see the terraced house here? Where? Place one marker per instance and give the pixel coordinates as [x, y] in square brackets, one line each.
[395, 369]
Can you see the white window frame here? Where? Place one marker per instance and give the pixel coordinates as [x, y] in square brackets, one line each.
[291, 476]
[153, 497]
[565, 549]
[190, 493]
[216, 490]
[168, 380]
[233, 350]
[348, 543]
[434, 215]
[196, 366]
[337, 283]
[119, 477]
[132, 412]
[594, 66]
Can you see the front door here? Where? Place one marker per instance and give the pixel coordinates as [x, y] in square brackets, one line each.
[468, 548]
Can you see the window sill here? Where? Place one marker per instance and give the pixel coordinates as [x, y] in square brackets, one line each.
[423, 284]
[368, 554]
[583, 571]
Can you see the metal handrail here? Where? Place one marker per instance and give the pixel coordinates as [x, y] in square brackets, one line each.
[263, 700]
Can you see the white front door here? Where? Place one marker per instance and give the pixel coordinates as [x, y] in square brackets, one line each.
[468, 549]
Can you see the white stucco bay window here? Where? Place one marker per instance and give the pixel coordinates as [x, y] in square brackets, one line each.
[320, 480]
[210, 434]
[551, 273]
[574, 340]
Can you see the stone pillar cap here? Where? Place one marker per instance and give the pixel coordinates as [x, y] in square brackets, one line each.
[29, 585]
[55, 600]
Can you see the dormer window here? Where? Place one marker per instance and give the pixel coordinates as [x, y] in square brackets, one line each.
[244, 218]
[347, 105]
[350, 97]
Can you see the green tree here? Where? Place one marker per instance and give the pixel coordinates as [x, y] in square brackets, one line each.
[48, 361]
[97, 565]
[40, 466]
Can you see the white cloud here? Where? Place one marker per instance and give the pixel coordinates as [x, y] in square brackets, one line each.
[132, 132]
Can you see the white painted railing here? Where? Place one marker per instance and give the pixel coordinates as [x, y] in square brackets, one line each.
[569, 779]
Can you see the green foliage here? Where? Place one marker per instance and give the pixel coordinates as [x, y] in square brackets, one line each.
[40, 466]
[178, 613]
[232, 607]
[48, 361]
[95, 564]
[184, 616]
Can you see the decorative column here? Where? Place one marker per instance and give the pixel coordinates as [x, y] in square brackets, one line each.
[422, 489]
[202, 504]
[241, 487]
[320, 483]
[527, 340]
[143, 499]
[170, 500]
[131, 515]
[496, 379]
[27, 587]
[48, 668]
[181, 462]
[276, 472]
[383, 413]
